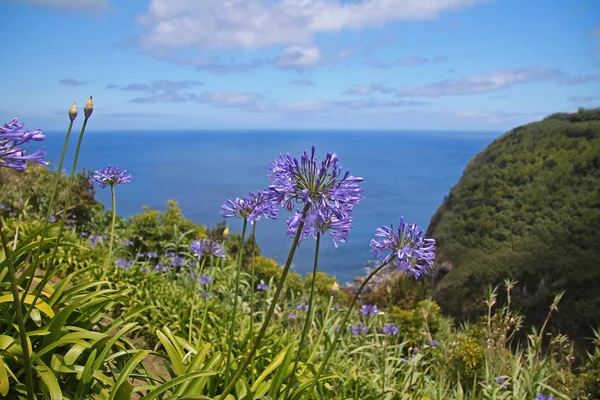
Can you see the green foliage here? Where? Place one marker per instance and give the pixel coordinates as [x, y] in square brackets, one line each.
[528, 208]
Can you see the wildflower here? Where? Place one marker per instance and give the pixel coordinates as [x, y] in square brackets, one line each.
[502, 382]
[2, 206]
[83, 233]
[337, 308]
[127, 243]
[205, 280]
[292, 316]
[359, 329]
[109, 176]
[206, 295]
[94, 240]
[52, 219]
[262, 287]
[151, 254]
[192, 263]
[432, 342]
[414, 253]
[170, 254]
[390, 329]
[369, 310]
[145, 269]
[321, 220]
[541, 396]
[13, 135]
[177, 261]
[207, 247]
[160, 268]
[416, 350]
[122, 263]
[140, 255]
[306, 182]
[302, 307]
[251, 207]
[12, 214]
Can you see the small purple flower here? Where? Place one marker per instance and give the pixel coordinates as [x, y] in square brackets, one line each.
[2, 206]
[390, 329]
[337, 308]
[205, 280]
[416, 350]
[252, 207]
[207, 247]
[145, 269]
[302, 307]
[541, 396]
[414, 254]
[170, 254]
[359, 329]
[109, 176]
[127, 243]
[502, 382]
[94, 240]
[262, 287]
[13, 135]
[12, 214]
[292, 317]
[369, 310]
[433, 343]
[160, 268]
[192, 263]
[84, 234]
[140, 255]
[151, 254]
[52, 219]
[206, 295]
[318, 184]
[123, 264]
[177, 261]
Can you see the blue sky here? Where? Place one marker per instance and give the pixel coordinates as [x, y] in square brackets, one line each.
[484, 65]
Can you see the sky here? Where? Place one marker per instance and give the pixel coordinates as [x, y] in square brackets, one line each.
[475, 65]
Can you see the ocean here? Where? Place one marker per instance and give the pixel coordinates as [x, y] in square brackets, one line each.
[405, 174]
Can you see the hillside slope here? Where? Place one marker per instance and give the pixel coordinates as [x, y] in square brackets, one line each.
[528, 208]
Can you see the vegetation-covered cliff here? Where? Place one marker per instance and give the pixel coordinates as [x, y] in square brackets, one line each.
[527, 208]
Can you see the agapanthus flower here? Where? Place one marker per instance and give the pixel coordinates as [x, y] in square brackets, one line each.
[52, 219]
[177, 261]
[318, 184]
[13, 135]
[414, 254]
[207, 247]
[206, 295]
[145, 269]
[337, 308]
[432, 342]
[94, 240]
[109, 176]
[140, 255]
[262, 287]
[127, 243]
[302, 307]
[359, 329]
[151, 254]
[205, 280]
[122, 263]
[169, 254]
[369, 310]
[252, 207]
[541, 396]
[501, 381]
[160, 268]
[416, 350]
[2, 206]
[390, 329]
[321, 220]
[83, 233]
[292, 316]
[12, 214]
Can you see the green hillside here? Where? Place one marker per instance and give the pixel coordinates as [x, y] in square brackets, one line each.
[528, 208]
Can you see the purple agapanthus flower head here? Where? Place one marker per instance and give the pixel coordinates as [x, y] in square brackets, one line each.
[151, 254]
[541, 396]
[145, 269]
[206, 295]
[177, 261]
[302, 307]
[321, 220]
[369, 310]
[252, 207]
[160, 268]
[390, 329]
[413, 253]
[292, 317]
[109, 176]
[13, 135]
[205, 280]
[501, 381]
[359, 329]
[140, 255]
[337, 308]
[122, 263]
[317, 183]
[207, 247]
[127, 243]
[433, 343]
[262, 287]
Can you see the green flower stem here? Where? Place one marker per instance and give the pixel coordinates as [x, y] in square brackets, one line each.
[48, 213]
[199, 269]
[344, 322]
[270, 312]
[252, 283]
[322, 333]
[19, 311]
[235, 298]
[47, 275]
[112, 232]
[308, 320]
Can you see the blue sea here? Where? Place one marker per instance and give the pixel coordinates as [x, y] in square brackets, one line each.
[405, 174]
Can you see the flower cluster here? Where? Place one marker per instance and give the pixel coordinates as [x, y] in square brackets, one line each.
[109, 176]
[12, 136]
[122, 263]
[433, 343]
[369, 310]
[262, 287]
[252, 207]
[160, 268]
[359, 329]
[390, 329]
[541, 396]
[412, 252]
[207, 247]
[321, 220]
[177, 261]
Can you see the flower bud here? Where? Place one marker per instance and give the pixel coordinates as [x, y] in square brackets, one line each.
[226, 232]
[88, 108]
[334, 288]
[73, 112]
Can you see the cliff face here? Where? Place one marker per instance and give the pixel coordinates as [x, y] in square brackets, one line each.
[527, 208]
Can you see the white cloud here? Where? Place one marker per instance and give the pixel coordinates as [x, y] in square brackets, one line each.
[73, 5]
[365, 90]
[298, 57]
[231, 99]
[255, 24]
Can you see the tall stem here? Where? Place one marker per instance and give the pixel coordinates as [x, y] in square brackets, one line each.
[344, 322]
[47, 275]
[252, 283]
[235, 298]
[323, 328]
[48, 212]
[271, 310]
[309, 314]
[19, 311]
[112, 232]
[199, 268]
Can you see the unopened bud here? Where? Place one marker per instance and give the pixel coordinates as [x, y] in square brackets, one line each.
[226, 232]
[335, 287]
[88, 108]
[73, 112]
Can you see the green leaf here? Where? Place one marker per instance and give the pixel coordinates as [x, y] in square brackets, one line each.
[49, 379]
[126, 372]
[39, 304]
[174, 382]
[4, 385]
[176, 359]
